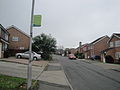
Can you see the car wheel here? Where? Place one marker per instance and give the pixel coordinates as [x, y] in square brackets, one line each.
[19, 56]
[34, 58]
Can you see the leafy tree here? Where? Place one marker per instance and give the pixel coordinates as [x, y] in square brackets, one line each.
[79, 55]
[45, 44]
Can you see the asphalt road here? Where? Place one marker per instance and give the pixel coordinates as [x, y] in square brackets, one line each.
[87, 76]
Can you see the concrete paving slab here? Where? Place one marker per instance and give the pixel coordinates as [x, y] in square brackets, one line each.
[53, 68]
[57, 77]
[54, 64]
[50, 86]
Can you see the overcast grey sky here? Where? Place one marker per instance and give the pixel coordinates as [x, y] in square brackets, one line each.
[69, 21]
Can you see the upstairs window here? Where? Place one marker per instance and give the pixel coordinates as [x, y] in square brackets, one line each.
[6, 37]
[117, 43]
[111, 44]
[15, 38]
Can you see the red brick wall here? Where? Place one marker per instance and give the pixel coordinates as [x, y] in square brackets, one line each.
[23, 39]
[115, 49]
[73, 51]
[100, 46]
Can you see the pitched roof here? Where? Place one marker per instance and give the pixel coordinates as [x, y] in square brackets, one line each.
[12, 26]
[117, 34]
[114, 34]
[4, 29]
[99, 39]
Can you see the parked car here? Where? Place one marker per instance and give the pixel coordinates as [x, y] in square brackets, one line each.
[26, 55]
[71, 56]
[95, 57]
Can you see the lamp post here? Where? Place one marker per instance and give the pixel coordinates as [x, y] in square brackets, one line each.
[29, 71]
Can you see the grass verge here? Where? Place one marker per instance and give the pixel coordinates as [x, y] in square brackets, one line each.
[10, 83]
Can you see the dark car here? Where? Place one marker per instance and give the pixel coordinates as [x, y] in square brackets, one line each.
[95, 57]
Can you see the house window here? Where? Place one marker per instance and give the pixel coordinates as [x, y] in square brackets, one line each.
[22, 48]
[111, 44]
[117, 43]
[4, 46]
[91, 47]
[117, 55]
[15, 38]
[6, 37]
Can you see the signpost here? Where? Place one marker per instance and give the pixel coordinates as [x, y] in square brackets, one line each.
[35, 22]
[29, 72]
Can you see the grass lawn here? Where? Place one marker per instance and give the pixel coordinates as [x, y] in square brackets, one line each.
[10, 83]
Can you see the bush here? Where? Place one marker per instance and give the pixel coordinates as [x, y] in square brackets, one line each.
[79, 55]
[46, 56]
[46, 44]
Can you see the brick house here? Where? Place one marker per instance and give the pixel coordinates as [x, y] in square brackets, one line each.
[96, 47]
[84, 49]
[18, 40]
[72, 50]
[114, 47]
[4, 36]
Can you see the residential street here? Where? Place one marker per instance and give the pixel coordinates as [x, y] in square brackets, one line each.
[84, 75]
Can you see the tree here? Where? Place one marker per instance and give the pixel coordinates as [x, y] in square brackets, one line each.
[79, 55]
[45, 44]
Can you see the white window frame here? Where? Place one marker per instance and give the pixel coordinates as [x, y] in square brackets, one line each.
[117, 55]
[14, 38]
[117, 43]
[111, 44]
[6, 37]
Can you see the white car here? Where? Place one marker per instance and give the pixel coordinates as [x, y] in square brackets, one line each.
[27, 54]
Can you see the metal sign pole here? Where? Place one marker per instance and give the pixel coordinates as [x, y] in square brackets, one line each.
[29, 71]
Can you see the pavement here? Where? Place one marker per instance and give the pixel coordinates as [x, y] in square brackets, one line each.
[51, 75]
[103, 65]
[54, 78]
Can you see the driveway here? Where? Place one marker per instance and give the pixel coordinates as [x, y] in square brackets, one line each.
[40, 63]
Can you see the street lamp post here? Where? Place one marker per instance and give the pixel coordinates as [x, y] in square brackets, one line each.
[29, 71]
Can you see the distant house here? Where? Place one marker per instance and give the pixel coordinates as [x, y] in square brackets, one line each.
[72, 50]
[96, 47]
[114, 47]
[4, 35]
[18, 40]
[84, 50]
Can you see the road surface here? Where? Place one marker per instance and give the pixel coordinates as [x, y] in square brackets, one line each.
[87, 76]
